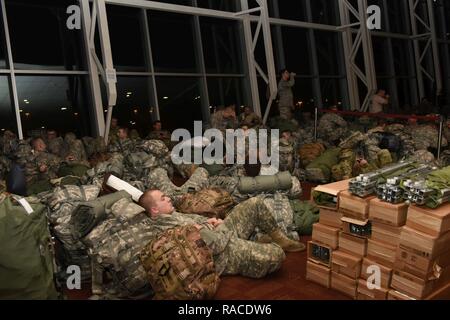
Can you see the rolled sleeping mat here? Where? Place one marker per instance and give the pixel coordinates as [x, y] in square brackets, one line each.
[120, 185]
[279, 181]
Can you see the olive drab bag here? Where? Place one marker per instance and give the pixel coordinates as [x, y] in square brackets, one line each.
[180, 266]
[26, 255]
[210, 202]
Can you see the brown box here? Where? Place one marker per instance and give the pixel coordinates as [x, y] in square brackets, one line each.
[319, 253]
[386, 273]
[388, 213]
[330, 218]
[326, 235]
[332, 189]
[346, 264]
[318, 274]
[395, 295]
[356, 227]
[424, 244]
[420, 266]
[386, 233]
[344, 284]
[434, 222]
[353, 206]
[352, 244]
[416, 287]
[364, 293]
[381, 252]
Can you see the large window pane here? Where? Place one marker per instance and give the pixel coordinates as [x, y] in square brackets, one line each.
[179, 102]
[134, 108]
[225, 91]
[57, 102]
[126, 38]
[380, 54]
[172, 42]
[297, 58]
[2, 43]
[331, 93]
[327, 44]
[401, 52]
[7, 114]
[325, 11]
[223, 5]
[40, 38]
[291, 10]
[397, 16]
[221, 46]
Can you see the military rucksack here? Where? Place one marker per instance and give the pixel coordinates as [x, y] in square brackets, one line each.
[180, 266]
[211, 202]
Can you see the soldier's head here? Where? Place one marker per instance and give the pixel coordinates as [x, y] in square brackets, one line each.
[122, 133]
[229, 111]
[247, 110]
[286, 134]
[285, 75]
[38, 145]
[381, 92]
[156, 203]
[51, 134]
[157, 125]
[114, 123]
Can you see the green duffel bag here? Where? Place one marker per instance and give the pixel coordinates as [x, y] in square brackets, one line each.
[72, 169]
[320, 169]
[26, 258]
[280, 181]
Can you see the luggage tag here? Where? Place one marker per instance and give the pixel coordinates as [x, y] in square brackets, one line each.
[24, 203]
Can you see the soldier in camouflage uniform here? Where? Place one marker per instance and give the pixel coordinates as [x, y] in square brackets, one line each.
[285, 95]
[224, 119]
[75, 152]
[332, 127]
[232, 253]
[249, 118]
[425, 136]
[9, 143]
[123, 145]
[158, 134]
[113, 131]
[55, 144]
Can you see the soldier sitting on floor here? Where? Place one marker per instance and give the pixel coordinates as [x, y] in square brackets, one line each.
[232, 252]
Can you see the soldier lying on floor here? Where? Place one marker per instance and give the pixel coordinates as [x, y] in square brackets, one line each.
[232, 252]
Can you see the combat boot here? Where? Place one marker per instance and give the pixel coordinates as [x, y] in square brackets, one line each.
[285, 243]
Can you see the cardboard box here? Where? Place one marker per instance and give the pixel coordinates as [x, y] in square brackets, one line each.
[381, 252]
[326, 235]
[332, 189]
[346, 264]
[364, 293]
[386, 233]
[395, 295]
[424, 244]
[330, 218]
[420, 266]
[318, 274]
[319, 253]
[344, 284]
[354, 207]
[386, 273]
[352, 244]
[416, 287]
[388, 213]
[358, 228]
[434, 222]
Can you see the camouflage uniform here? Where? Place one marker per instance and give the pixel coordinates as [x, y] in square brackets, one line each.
[232, 252]
[162, 135]
[251, 120]
[218, 121]
[286, 98]
[124, 147]
[56, 146]
[5, 165]
[112, 137]
[287, 155]
[425, 136]
[75, 149]
[332, 127]
[9, 143]
[407, 141]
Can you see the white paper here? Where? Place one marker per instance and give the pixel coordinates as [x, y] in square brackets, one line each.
[26, 205]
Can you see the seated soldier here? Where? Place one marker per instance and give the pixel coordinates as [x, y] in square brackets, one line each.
[233, 254]
[158, 134]
[123, 145]
[55, 144]
[249, 118]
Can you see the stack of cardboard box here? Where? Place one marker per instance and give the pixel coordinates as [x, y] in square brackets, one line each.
[325, 237]
[386, 220]
[422, 265]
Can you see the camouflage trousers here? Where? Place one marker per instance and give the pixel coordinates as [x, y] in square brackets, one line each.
[247, 258]
[285, 112]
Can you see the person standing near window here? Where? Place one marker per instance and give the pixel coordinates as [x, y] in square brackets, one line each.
[286, 96]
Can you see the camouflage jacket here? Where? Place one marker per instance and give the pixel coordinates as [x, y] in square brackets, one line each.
[218, 121]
